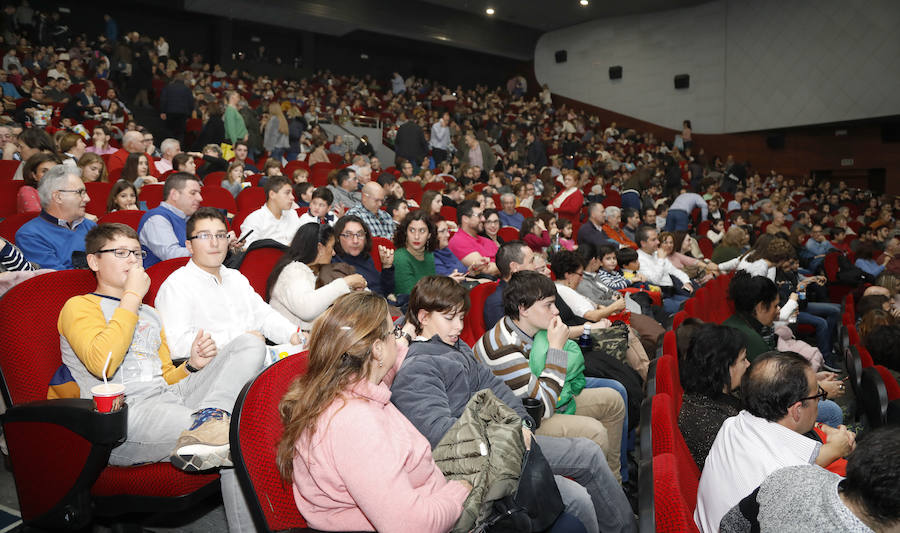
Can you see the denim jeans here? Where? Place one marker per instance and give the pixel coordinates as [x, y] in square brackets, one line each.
[592, 494]
[830, 414]
[672, 304]
[825, 317]
[594, 383]
[677, 220]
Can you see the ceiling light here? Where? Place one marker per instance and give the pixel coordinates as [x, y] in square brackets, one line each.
[584, 3]
[489, 11]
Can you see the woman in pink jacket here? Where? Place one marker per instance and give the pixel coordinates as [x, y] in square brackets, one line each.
[355, 461]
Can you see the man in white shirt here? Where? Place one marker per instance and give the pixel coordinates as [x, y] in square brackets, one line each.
[658, 270]
[781, 397]
[275, 219]
[205, 295]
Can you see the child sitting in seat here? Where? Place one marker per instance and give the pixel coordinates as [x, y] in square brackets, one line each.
[628, 260]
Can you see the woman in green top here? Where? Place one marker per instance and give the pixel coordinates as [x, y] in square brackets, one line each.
[415, 240]
[732, 245]
[235, 129]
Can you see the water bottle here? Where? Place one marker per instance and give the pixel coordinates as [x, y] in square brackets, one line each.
[555, 245]
[801, 299]
[585, 339]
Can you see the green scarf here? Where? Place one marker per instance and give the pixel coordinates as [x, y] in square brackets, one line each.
[574, 383]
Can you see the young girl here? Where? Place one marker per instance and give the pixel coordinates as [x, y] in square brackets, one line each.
[123, 196]
[534, 233]
[565, 234]
[137, 170]
[92, 168]
[234, 176]
[716, 231]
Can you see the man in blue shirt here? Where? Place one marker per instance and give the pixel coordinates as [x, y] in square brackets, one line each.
[57, 234]
[509, 216]
[818, 246]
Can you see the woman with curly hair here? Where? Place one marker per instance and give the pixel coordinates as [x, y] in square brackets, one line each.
[415, 242]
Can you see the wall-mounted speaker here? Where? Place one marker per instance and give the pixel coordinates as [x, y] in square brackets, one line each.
[682, 81]
[561, 56]
[775, 141]
[615, 73]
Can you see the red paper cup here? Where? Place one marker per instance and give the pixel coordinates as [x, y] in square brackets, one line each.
[108, 397]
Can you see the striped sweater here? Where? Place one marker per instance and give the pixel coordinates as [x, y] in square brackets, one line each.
[505, 348]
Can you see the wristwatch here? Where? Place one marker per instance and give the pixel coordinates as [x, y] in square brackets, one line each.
[189, 368]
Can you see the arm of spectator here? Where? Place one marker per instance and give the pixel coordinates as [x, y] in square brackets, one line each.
[37, 250]
[171, 373]
[420, 394]
[411, 508]
[92, 338]
[158, 235]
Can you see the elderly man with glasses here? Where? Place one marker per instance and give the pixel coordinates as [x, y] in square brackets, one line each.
[55, 238]
[781, 398]
[379, 221]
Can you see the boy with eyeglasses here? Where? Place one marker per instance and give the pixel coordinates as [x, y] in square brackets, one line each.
[176, 413]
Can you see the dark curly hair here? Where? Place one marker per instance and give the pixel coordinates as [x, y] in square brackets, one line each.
[747, 290]
[705, 368]
[339, 228]
[420, 215]
[565, 262]
[873, 475]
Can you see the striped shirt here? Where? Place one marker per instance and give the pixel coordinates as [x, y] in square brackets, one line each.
[12, 260]
[613, 280]
[505, 348]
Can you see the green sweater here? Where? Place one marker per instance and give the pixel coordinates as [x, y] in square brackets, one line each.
[724, 253]
[756, 345]
[408, 270]
[235, 129]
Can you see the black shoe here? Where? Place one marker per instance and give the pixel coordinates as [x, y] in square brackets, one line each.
[832, 367]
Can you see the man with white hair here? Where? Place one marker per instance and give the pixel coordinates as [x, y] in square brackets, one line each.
[169, 148]
[613, 228]
[363, 168]
[509, 216]
[56, 235]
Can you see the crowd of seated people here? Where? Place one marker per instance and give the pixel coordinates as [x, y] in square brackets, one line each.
[587, 199]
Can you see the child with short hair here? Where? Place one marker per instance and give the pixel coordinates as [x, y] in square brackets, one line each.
[630, 265]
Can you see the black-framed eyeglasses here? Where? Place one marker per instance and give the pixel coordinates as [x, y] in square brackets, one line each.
[123, 253]
[397, 332]
[821, 395]
[209, 236]
[80, 192]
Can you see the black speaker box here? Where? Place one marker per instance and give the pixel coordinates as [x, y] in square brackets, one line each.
[775, 141]
[561, 56]
[615, 73]
[682, 81]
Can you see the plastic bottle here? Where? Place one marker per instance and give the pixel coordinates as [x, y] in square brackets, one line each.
[585, 339]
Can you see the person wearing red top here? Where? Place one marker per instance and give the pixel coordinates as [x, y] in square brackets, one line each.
[132, 143]
[567, 204]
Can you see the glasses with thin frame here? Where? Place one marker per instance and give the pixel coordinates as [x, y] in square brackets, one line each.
[209, 236]
[123, 253]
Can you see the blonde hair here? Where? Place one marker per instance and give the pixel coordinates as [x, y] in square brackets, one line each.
[340, 354]
[275, 112]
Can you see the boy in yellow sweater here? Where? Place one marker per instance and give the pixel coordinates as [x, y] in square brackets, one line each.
[184, 408]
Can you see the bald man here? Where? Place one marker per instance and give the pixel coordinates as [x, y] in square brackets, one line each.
[379, 221]
[132, 143]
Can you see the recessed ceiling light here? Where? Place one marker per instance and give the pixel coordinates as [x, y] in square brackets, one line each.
[489, 11]
[584, 3]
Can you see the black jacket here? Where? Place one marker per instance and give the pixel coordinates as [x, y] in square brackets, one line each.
[410, 143]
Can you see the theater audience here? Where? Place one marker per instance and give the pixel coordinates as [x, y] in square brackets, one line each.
[354, 247]
[275, 220]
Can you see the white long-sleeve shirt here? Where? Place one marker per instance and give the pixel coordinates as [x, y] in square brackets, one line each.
[440, 136]
[296, 297]
[760, 267]
[688, 201]
[746, 450]
[266, 226]
[192, 299]
[657, 270]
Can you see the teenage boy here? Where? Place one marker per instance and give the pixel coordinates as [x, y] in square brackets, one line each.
[320, 208]
[276, 219]
[205, 295]
[178, 414]
[569, 410]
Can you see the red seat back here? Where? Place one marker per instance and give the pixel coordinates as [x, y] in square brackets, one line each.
[258, 264]
[473, 323]
[98, 192]
[255, 432]
[218, 197]
[131, 217]
[670, 344]
[8, 168]
[508, 233]
[251, 198]
[890, 383]
[214, 178]
[668, 380]
[11, 224]
[448, 213]
[29, 339]
[376, 256]
[8, 191]
[674, 514]
[525, 212]
[152, 194]
[667, 438]
[706, 246]
[158, 274]
[412, 189]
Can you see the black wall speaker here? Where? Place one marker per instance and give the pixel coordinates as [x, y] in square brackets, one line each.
[615, 73]
[775, 141]
[561, 56]
[890, 132]
[682, 81]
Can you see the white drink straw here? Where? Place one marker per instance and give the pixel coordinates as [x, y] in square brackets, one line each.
[106, 367]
